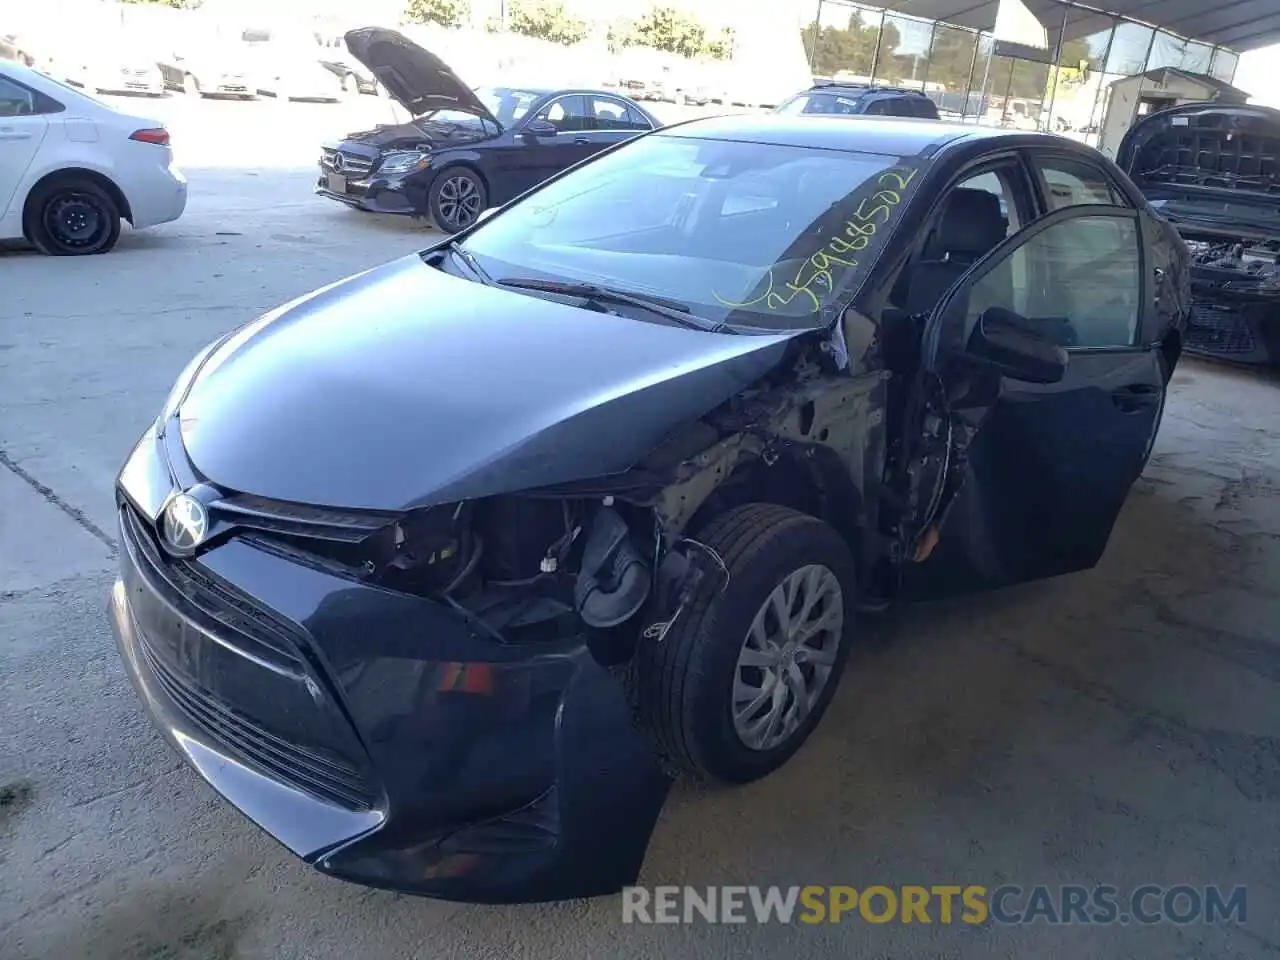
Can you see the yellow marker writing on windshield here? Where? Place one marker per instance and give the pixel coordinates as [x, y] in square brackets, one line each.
[822, 267]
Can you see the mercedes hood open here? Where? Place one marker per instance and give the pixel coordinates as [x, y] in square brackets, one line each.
[416, 78]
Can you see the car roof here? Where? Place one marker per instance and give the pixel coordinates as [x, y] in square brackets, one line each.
[838, 87]
[896, 136]
[556, 91]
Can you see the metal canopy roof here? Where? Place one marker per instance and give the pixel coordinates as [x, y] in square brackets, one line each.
[1239, 25]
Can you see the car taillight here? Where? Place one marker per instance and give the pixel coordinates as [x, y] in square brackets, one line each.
[157, 135]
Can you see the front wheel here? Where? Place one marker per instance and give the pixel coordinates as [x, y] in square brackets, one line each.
[456, 199]
[744, 675]
[72, 217]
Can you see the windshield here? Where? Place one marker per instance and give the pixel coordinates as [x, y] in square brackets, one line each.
[752, 234]
[506, 104]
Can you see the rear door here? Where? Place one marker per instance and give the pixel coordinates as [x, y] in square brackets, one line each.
[1046, 468]
[24, 121]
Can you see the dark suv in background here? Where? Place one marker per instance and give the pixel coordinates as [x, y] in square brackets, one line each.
[832, 98]
[828, 97]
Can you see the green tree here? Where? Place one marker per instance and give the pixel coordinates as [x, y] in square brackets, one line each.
[447, 13]
[547, 20]
[666, 28]
[721, 47]
[853, 48]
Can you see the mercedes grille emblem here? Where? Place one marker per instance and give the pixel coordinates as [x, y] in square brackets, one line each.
[338, 162]
[185, 523]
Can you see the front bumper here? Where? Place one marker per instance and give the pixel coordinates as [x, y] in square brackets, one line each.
[1234, 327]
[374, 734]
[375, 195]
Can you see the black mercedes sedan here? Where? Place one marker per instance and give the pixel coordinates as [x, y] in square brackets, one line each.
[465, 149]
[440, 572]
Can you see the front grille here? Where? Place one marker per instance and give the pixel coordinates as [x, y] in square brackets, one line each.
[214, 606]
[224, 616]
[323, 776]
[1219, 328]
[300, 519]
[347, 164]
[234, 88]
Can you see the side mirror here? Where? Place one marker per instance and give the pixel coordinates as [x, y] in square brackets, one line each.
[1007, 343]
[540, 128]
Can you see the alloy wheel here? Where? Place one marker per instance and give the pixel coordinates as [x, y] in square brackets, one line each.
[459, 202]
[787, 657]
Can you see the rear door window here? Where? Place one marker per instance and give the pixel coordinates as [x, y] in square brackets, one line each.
[1069, 182]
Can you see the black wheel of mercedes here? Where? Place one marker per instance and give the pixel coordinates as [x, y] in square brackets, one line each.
[744, 675]
[72, 217]
[457, 198]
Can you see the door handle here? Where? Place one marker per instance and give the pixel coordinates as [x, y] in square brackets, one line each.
[11, 135]
[584, 141]
[1136, 397]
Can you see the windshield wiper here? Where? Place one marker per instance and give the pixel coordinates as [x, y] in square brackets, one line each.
[663, 307]
[472, 264]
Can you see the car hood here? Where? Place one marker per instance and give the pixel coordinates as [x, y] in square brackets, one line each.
[1201, 165]
[405, 386]
[419, 80]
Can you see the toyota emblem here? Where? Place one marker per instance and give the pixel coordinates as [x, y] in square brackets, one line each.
[186, 522]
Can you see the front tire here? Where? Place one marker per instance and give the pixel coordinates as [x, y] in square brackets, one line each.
[457, 198]
[72, 217]
[744, 675]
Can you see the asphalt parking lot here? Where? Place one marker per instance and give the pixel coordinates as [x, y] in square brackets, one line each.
[1120, 726]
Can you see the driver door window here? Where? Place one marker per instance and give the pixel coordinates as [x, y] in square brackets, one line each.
[1078, 283]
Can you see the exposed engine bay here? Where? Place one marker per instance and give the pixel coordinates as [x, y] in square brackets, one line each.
[1235, 288]
[1237, 261]
[619, 555]
[1211, 170]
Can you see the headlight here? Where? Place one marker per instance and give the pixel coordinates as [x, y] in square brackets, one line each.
[178, 392]
[403, 161]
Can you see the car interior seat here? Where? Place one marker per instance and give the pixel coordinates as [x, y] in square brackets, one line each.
[971, 226]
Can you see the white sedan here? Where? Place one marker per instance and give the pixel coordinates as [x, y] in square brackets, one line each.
[71, 167]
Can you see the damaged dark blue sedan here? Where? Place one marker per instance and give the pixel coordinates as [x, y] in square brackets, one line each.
[441, 572]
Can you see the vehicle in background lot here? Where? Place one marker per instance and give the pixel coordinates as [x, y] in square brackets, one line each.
[110, 63]
[211, 70]
[72, 167]
[14, 47]
[298, 66]
[833, 98]
[437, 572]
[465, 150]
[1211, 171]
[355, 76]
